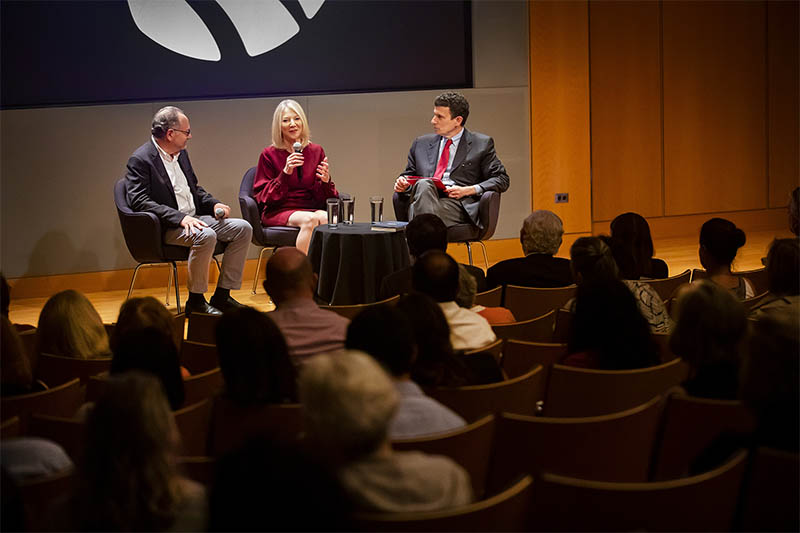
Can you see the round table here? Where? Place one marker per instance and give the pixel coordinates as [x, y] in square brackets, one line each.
[352, 260]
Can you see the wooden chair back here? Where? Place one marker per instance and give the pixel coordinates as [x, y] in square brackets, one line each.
[563, 324]
[199, 356]
[95, 387]
[520, 356]
[109, 329]
[771, 499]
[200, 469]
[470, 446]
[539, 329]
[202, 328]
[613, 447]
[11, 428]
[530, 302]
[494, 349]
[180, 327]
[490, 298]
[350, 311]
[689, 425]
[750, 303]
[506, 511]
[575, 391]
[57, 369]
[665, 287]
[29, 342]
[70, 433]
[63, 400]
[518, 395]
[757, 277]
[665, 354]
[198, 387]
[232, 425]
[706, 502]
[193, 425]
[40, 494]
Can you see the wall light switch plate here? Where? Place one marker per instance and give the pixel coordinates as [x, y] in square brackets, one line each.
[562, 197]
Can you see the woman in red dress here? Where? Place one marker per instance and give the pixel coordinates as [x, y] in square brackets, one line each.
[291, 187]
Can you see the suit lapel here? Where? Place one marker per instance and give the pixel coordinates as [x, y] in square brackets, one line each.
[433, 153]
[463, 148]
[158, 164]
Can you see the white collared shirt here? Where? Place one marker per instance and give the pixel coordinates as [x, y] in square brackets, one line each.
[179, 183]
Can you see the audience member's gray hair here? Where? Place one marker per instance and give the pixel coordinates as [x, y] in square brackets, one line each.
[165, 118]
[541, 233]
[348, 401]
[467, 288]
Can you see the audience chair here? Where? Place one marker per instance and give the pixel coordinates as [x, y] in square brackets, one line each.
[614, 447]
[193, 424]
[470, 446]
[198, 387]
[665, 354]
[666, 287]
[28, 338]
[530, 302]
[575, 391]
[772, 492]
[56, 369]
[563, 324]
[507, 511]
[232, 424]
[70, 433]
[495, 349]
[689, 425]
[198, 356]
[490, 298]
[24, 327]
[10, 428]
[95, 386]
[202, 328]
[467, 233]
[750, 303]
[63, 400]
[265, 237]
[180, 327]
[758, 277]
[350, 311]
[518, 395]
[144, 238]
[520, 356]
[706, 502]
[539, 329]
[198, 468]
[40, 494]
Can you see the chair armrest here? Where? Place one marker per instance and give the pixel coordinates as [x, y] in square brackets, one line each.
[143, 235]
[401, 201]
[489, 212]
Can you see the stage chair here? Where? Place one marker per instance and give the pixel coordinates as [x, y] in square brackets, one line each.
[689, 425]
[63, 400]
[198, 356]
[539, 329]
[575, 391]
[706, 502]
[40, 493]
[198, 468]
[193, 425]
[10, 428]
[490, 298]
[232, 425]
[350, 311]
[772, 492]
[615, 447]
[198, 387]
[506, 511]
[520, 356]
[665, 287]
[202, 328]
[518, 395]
[470, 446]
[530, 302]
[758, 277]
[57, 369]
[70, 433]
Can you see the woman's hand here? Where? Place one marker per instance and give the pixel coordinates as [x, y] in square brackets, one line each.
[294, 160]
[323, 171]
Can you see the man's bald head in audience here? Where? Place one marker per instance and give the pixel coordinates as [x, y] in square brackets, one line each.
[289, 275]
[436, 274]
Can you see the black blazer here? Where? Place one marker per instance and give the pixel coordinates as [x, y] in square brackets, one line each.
[149, 188]
[400, 282]
[534, 270]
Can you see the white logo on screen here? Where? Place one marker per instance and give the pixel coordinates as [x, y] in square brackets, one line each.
[262, 25]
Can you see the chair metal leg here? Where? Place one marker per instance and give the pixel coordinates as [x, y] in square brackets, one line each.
[258, 267]
[485, 255]
[469, 252]
[133, 279]
[169, 285]
[177, 289]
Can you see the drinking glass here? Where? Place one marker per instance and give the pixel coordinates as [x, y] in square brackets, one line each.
[348, 206]
[333, 212]
[376, 208]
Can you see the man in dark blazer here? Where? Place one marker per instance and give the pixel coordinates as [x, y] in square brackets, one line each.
[541, 238]
[160, 179]
[465, 161]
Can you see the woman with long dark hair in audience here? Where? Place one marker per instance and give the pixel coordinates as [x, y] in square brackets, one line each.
[633, 250]
[720, 239]
[70, 326]
[783, 277]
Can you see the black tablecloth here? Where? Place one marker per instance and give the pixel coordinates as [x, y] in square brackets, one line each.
[352, 260]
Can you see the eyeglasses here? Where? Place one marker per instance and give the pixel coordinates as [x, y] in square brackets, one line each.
[185, 132]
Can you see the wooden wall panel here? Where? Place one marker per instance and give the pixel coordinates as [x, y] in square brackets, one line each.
[559, 56]
[784, 95]
[714, 106]
[626, 108]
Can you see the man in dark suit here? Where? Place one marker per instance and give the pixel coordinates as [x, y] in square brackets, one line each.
[465, 161]
[160, 179]
[541, 238]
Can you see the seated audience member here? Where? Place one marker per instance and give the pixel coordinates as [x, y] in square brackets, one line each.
[541, 238]
[436, 274]
[437, 365]
[71, 327]
[25, 458]
[254, 359]
[633, 250]
[129, 480]
[16, 376]
[138, 313]
[386, 334]
[710, 329]
[424, 232]
[720, 239]
[783, 275]
[349, 402]
[794, 212]
[467, 289]
[608, 331]
[5, 296]
[269, 486]
[308, 330]
[593, 262]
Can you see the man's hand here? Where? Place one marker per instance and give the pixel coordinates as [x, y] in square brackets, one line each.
[225, 208]
[459, 192]
[323, 171]
[190, 224]
[401, 184]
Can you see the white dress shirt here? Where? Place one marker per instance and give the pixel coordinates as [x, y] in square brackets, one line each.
[468, 330]
[179, 184]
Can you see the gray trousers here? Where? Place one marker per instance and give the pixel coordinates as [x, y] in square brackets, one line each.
[425, 199]
[235, 231]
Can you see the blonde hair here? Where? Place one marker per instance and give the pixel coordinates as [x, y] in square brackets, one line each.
[277, 136]
[70, 326]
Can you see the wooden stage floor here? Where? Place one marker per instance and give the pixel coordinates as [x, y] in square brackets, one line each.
[679, 253]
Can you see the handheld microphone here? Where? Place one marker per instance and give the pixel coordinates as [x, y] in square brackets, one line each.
[219, 212]
[297, 147]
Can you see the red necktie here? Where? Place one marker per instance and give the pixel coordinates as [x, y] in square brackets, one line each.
[442, 166]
